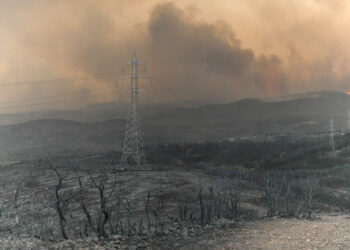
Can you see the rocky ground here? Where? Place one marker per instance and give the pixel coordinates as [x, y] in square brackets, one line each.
[328, 231]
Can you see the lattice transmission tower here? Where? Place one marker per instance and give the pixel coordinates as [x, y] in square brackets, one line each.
[331, 137]
[348, 127]
[133, 142]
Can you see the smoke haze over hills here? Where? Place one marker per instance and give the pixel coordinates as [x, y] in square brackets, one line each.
[194, 47]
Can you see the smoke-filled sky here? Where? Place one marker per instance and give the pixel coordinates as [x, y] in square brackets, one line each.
[200, 50]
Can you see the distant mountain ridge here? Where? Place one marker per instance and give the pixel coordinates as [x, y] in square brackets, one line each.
[248, 117]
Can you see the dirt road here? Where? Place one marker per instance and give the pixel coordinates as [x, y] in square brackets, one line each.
[326, 232]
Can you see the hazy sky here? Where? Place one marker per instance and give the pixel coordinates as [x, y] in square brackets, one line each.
[214, 51]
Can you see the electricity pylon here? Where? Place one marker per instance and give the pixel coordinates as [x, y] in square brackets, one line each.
[331, 137]
[133, 143]
[348, 128]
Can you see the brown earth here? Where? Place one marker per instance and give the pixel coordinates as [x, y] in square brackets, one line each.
[325, 232]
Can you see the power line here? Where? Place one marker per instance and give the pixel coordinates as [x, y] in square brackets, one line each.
[50, 96]
[160, 94]
[56, 80]
[57, 101]
[172, 92]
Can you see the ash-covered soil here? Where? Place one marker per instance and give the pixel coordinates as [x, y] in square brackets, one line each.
[327, 231]
[29, 219]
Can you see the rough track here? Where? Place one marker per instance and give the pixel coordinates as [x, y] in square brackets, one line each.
[326, 232]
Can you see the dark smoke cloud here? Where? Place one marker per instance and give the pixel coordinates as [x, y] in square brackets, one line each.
[207, 60]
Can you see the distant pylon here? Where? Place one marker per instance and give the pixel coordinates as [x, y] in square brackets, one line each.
[348, 120]
[133, 142]
[120, 100]
[331, 137]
